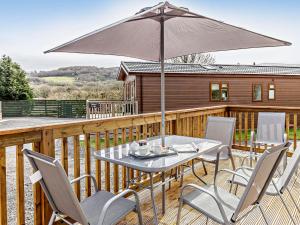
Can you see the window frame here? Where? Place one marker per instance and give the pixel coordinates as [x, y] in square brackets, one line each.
[253, 91]
[220, 83]
[269, 88]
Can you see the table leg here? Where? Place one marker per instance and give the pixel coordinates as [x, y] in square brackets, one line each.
[181, 175]
[163, 188]
[127, 177]
[153, 199]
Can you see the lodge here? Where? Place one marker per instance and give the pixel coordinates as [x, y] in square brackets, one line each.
[194, 85]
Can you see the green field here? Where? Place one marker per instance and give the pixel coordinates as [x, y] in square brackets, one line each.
[291, 134]
[67, 80]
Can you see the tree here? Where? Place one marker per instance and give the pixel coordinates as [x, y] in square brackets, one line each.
[13, 82]
[203, 59]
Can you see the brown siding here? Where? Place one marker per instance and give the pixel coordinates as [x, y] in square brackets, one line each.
[188, 91]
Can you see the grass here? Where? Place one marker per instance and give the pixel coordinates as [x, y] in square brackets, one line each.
[291, 135]
[102, 142]
[111, 140]
[59, 79]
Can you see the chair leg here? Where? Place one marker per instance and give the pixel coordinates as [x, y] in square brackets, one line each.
[285, 206]
[264, 215]
[236, 189]
[231, 185]
[52, 218]
[194, 172]
[206, 222]
[204, 167]
[139, 213]
[232, 162]
[179, 211]
[216, 170]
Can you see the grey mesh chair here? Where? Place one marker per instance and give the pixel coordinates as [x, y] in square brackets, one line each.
[102, 208]
[225, 208]
[278, 185]
[270, 131]
[219, 129]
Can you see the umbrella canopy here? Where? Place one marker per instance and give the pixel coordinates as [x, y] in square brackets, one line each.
[163, 32]
[184, 33]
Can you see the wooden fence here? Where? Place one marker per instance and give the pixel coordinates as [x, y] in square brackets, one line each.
[106, 109]
[47, 108]
[108, 132]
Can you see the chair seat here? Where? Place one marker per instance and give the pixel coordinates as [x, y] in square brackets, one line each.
[207, 205]
[93, 206]
[247, 173]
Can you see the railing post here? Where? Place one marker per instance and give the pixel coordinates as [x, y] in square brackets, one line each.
[136, 108]
[87, 109]
[20, 186]
[113, 111]
[47, 148]
[3, 193]
[37, 192]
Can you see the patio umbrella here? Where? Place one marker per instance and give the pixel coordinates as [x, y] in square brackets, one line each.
[162, 32]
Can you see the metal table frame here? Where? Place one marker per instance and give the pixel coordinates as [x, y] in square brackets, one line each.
[101, 155]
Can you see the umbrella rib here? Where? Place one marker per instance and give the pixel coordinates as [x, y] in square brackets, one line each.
[198, 16]
[143, 18]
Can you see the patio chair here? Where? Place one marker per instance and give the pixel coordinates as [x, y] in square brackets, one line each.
[225, 208]
[270, 131]
[278, 184]
[219, 129]
[101, 208]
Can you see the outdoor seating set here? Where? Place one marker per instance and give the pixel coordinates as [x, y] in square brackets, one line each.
[214, 202]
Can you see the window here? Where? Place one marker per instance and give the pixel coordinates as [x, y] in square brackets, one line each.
[218, 91]
[271, 91]
[224, 92]
[257, 92]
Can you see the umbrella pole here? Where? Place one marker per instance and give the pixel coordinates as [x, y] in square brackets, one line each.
[162, 78]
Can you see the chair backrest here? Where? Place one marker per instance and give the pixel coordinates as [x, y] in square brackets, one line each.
[289, 171]
[220, 129]
[270, 127]
[260, 178]
[56, 186]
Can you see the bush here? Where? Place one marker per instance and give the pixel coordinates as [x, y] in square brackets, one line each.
[13, 82]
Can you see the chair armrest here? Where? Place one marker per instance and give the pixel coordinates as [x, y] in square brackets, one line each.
[113, 199]
[222, 147]
[194, 186]
[233, 173]
[285, 137]
[84, 176]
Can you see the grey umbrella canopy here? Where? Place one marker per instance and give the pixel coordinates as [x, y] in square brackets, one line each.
[165, 31]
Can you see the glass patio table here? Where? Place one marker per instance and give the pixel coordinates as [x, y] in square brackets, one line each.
[120, 155]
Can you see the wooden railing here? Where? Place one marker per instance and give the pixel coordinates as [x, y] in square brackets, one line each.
[106, 109]
[74, 142]
[246, 120]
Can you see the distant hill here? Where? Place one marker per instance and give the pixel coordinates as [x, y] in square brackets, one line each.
[76, 82]
[80, 73]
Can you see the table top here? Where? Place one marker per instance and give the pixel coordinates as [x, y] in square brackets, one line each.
[120, 154]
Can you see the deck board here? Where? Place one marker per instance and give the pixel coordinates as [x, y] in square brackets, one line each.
[272, 205]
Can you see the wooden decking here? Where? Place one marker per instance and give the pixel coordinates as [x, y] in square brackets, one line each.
[272, 205]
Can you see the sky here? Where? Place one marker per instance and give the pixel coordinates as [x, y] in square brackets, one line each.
[29, 27]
